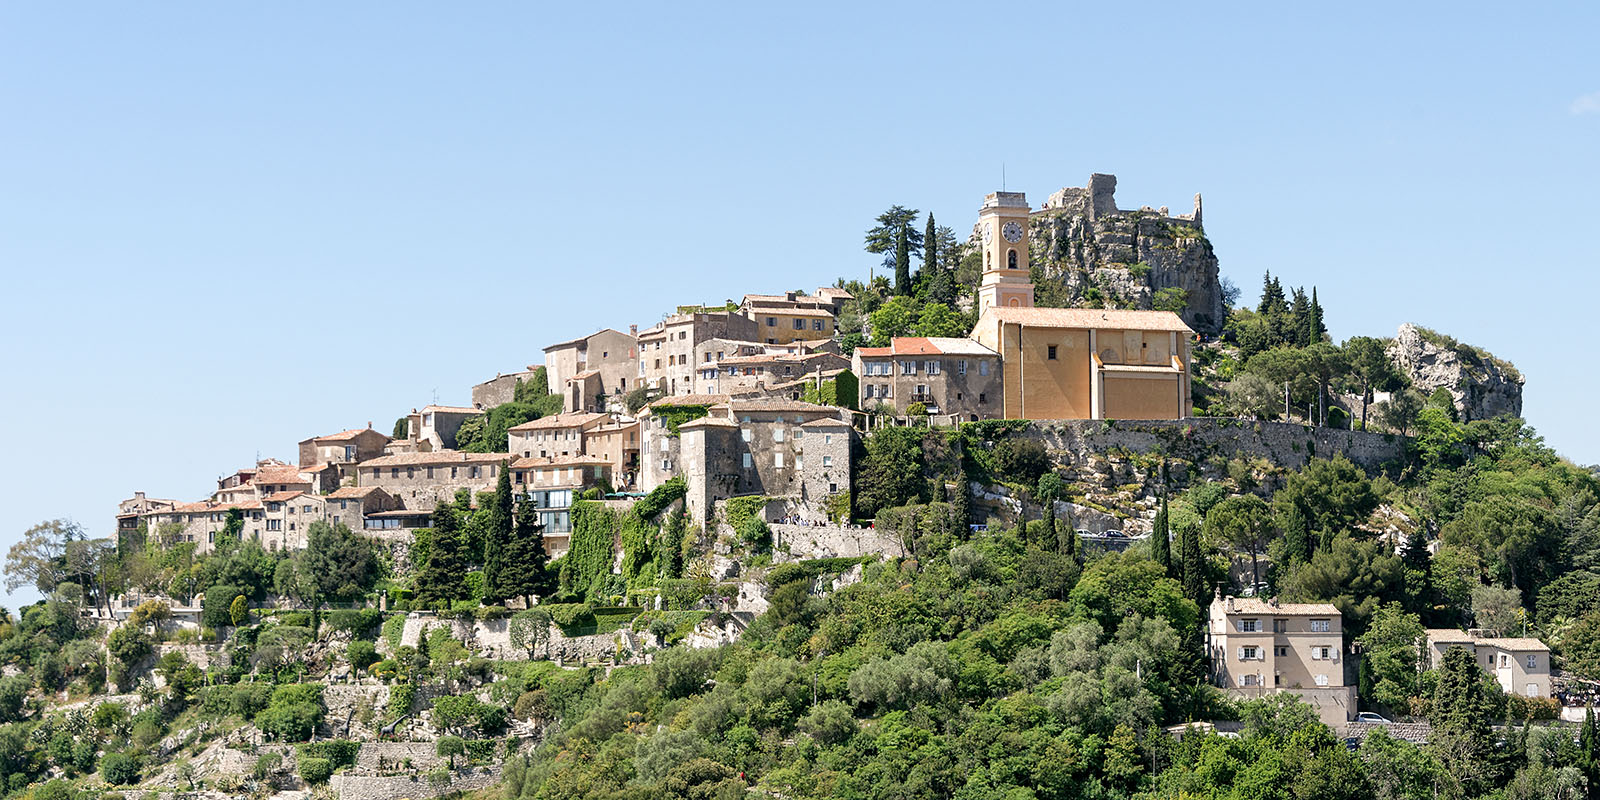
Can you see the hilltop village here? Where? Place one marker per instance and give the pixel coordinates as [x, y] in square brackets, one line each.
[776, 546]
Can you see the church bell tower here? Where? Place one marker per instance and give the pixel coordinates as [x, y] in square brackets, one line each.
[1003, 227]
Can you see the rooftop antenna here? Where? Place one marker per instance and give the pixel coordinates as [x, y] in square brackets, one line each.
[436, 395]
[1002, 176]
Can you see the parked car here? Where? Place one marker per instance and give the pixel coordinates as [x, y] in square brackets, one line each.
[1368, 716]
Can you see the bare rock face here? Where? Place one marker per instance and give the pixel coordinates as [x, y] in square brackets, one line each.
[1091, 253]
[1481, 385]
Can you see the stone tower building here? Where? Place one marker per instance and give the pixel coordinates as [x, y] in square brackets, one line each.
[1003, 226]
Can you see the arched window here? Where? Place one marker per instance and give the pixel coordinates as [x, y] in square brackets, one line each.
[1015, 303]
[986, 259]
[1011, 259]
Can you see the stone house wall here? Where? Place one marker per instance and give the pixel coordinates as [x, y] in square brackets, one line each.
[421, 486]
[973, 395]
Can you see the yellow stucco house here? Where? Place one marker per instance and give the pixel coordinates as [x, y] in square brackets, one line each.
[1072, 363]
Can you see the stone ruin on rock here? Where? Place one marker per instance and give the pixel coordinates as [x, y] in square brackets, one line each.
[1083, 246]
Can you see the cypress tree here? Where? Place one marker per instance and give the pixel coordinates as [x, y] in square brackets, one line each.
[1160, 545]
[1460, 715]
[961, 506]
[1589, 751]
[930, 252]
[497, 571]
[525, 557]
[1194, 571]
[443, 578]
[1315, 326]
[1296, 536]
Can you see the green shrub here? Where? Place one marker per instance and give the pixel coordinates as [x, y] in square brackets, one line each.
[119, 769]
[393, 627]
[742, 509]
[359, 622]
[316, 770]
[214, 607]
[267, 764]
[568, 615]
[297, 618]
[362, 654]
[338, 752]
[401, 696]
[294, 712]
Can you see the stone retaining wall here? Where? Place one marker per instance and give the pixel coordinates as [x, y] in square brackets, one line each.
[1285, 444]
[359, 787]
[801, 542]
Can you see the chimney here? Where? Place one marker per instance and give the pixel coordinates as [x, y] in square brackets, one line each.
[633, 330]
[369, 424]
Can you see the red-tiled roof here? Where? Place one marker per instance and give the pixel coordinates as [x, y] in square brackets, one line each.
[570, 419]
[1092, 318]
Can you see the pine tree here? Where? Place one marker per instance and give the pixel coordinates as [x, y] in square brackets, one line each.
[525, 557]
[1295, 327]
[497, 571]
[1416, 558]
[1160, 545]
[897, 240]
[1194, 571]
[443, 578]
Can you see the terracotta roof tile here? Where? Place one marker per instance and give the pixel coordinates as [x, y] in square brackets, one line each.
[452, 410]
[691, 400]
[1092, 318]
[571, 419]
[353, 492]
[779, 405]
[284, 497]
[437, 458]
[558, 461]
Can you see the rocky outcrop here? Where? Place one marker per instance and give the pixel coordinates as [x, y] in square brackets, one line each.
[1086, 247]
[1481, 385]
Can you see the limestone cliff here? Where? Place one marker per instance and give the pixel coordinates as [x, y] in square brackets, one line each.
[1481, 385]
[1088, 251]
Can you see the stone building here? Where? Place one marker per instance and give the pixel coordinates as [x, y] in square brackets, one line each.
[1521, 665]
[796, 451]
[1072, 363]
[658, 438]
[558, 435]
[793, 316]
[587, 370]
[421, 481]
[351, 505]
[738, 374]
[286, 516]
[345, 447]
[133, 511]
[618, 444]
[434, 428]
[502, 388]
[953, 377]
[551, 484]
[1260, 647]
[667, 350]
[200, 523]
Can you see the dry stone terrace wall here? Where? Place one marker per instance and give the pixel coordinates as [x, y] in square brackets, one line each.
[801, 542]
[1285, 444]
[360, 787]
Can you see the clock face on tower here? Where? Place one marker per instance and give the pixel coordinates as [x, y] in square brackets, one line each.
[1012, 231]
[988, 232]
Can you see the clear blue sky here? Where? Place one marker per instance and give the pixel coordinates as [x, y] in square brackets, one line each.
[226, 227]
